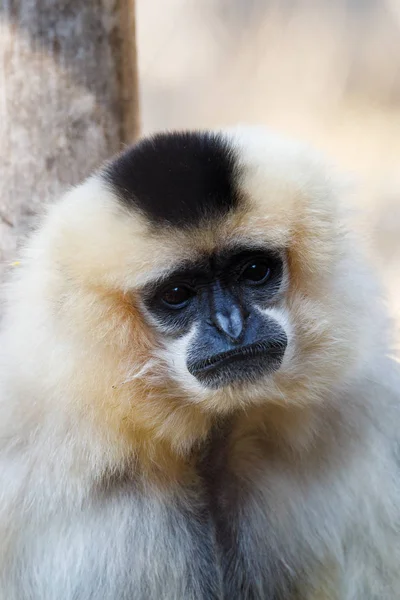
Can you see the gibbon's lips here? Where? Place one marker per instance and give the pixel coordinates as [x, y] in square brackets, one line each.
[247, 363]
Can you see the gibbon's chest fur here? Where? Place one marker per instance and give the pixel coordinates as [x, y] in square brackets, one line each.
[285, 526]
[241, 519]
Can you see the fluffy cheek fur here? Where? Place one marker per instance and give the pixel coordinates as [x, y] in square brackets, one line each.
[319, 351]
[328, 344]
[173, 359]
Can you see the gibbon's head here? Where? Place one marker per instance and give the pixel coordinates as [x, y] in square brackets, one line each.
[202, 269]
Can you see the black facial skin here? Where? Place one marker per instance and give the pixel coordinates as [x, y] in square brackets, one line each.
[234, 341]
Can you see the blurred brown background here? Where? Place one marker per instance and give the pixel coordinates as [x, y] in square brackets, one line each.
[327, 71]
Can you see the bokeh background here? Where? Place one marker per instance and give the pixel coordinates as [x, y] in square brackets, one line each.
[326, 71]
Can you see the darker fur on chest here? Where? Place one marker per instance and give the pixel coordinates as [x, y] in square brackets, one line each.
[245, 575]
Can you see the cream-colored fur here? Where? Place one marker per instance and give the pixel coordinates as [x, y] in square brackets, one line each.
[90, 397]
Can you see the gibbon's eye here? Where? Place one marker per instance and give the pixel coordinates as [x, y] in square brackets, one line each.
[255, 272]
[177, 296]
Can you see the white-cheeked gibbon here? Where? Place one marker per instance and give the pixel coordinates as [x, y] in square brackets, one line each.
[196, 398]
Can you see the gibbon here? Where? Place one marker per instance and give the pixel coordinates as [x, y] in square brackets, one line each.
[196, 397]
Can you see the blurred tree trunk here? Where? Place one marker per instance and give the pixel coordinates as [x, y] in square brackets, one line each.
[68, 100]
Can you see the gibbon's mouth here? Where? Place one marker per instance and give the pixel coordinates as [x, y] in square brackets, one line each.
[245, 364]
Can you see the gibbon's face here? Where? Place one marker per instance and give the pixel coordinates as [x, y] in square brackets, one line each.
[228, 246]
[216, 308]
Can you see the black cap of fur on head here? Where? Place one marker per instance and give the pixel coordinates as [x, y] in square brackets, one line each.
[177, 178]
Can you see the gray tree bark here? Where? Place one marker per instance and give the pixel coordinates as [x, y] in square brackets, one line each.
[68, 100]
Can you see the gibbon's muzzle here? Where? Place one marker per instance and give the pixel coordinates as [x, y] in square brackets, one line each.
[245, 364]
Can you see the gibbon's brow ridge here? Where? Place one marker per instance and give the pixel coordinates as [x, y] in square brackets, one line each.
[177, 178]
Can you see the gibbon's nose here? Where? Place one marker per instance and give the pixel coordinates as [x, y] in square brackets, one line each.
[226, 314]
[230, 323]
